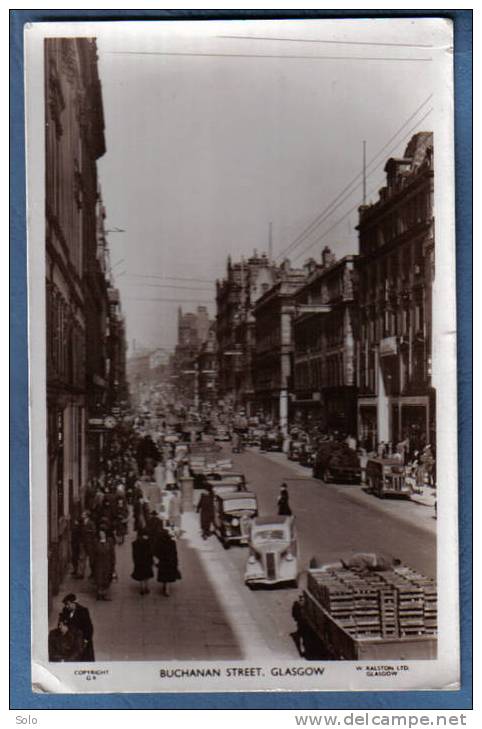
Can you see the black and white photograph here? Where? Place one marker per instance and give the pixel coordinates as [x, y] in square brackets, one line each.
[242, 336]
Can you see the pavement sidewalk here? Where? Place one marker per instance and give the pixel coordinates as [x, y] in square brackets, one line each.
[205, 618]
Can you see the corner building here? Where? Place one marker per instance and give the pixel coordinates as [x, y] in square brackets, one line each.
[396, 268]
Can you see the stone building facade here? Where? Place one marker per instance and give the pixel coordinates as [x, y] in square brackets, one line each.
[274, 313]
[324, 329]
[207, 372]
[74, 140]
[193, 331]
[395, 270]
[245, 282]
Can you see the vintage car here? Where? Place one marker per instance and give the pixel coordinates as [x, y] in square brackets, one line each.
[227, 483]
[273, 552]
[233, 512]
[336, 461]
[386, 477]
[254, 436]
[222, 434]
[272, 441]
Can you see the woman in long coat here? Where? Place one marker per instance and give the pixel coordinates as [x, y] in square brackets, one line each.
[167, 565]
[142, 558]
[205, 508]
[104, 565]
[174, 512]
[284, 508]
[170, 478]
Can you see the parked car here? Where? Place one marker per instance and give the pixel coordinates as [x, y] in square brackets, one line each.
[335, 461]
[386, 477]
[272, 441]
[222, 434]
[254, 436]
[273, 552]
[232, 516]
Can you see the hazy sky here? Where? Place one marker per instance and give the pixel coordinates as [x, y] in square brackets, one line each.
[207, 146]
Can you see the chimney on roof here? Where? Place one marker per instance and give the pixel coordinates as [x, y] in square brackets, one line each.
[327, 257]
[309, 266]
[286, 265]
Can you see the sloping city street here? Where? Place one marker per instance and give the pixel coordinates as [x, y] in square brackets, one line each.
[211, 614]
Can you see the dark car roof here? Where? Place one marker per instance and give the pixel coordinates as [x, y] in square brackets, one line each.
[226, 473]
[265, 520]
[237, 495]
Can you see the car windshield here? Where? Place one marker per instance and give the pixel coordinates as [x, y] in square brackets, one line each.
[235, 480]
[268, 535]
[239, 504]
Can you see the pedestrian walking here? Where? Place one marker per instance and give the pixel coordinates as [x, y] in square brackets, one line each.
[205, 509]
[89, 539]
[143, 560]
[284, 508]
[153, 527]
[76, 549]
[65, 643]
[104, 565]
[77, 616]
[170, 478]
[167, 564]
[427, 461]
[297, 615]
[120, 519]
[174, 511]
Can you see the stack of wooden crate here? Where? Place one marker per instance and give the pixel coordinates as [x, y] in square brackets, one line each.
[389, 604]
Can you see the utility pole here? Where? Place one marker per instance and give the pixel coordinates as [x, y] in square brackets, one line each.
[364, 173]
[270, 242]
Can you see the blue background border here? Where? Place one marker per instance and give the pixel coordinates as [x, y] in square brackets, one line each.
[21, 696]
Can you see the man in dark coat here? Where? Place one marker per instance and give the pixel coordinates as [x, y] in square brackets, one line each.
[205, 508]
[77, 616]
[65, 643]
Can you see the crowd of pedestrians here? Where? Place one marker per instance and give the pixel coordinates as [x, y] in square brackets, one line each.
[124, 489]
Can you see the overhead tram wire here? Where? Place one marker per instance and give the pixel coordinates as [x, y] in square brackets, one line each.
[326, 212]
[170, 301]
[282, 57]
[172, 278]
[331, 42]
[167, 286]
[340, 220]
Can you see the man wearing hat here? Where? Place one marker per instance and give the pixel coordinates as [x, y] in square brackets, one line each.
[77, 616]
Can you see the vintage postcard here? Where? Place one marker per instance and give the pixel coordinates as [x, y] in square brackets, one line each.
[242, 343]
